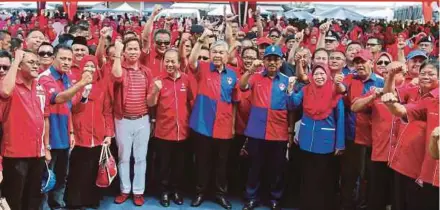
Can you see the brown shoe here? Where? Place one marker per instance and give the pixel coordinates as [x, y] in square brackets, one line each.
[121, 198]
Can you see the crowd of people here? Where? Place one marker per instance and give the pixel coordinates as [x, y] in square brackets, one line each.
[350, 108]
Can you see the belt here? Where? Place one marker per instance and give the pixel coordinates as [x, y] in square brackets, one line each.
[135, 117]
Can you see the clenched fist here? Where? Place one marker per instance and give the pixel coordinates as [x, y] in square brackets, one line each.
[118, 48]
[86, 78]
[158, 85]
[389, 98]
[339, 77]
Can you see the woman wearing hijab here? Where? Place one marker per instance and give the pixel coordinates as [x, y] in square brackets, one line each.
[321, 138]
[382, 62]
[93, 123]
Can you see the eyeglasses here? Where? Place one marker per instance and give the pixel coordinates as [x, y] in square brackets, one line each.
[5, 67]
[380, 63]
[160, 43]
[249, 58]
[203, 58]
[43, 54]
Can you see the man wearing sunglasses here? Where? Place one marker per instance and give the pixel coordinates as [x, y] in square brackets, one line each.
[374, 45]
[5, 63]
[152, 58]
[45, 51]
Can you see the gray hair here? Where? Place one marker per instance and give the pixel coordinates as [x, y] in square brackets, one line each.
[220, 43]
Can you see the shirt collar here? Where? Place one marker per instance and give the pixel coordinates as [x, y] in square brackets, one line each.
[213, 69]
[56, 75]
[264, 73]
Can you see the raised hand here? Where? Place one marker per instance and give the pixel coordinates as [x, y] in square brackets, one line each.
[389, 98]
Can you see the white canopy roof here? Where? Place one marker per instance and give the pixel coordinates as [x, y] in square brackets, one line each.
[341, 13]
[219, 11]
[125, 8]
[387, 14]
[176, 13]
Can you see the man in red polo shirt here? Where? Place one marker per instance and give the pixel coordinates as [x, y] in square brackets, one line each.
[152, 57]
[416, 171]
[131, 83]
[172, 94]
[34, 39]
[24, 105]
[5, 64]
[382, 125]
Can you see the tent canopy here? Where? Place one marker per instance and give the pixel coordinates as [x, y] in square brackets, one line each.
[219, 11]
[341, 13]
[300, 15]
[98, 8]
[177, 13]
[124, 8]
[382, 14]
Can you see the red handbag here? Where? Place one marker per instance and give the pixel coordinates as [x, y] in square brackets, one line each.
[107, 170]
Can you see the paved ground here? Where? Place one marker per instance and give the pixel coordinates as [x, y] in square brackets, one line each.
[153, 204]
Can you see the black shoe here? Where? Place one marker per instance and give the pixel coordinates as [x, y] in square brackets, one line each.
[250, 205]
[165, 200]
[198, 200]
[178, 199]
[274, 205]
[223, 202]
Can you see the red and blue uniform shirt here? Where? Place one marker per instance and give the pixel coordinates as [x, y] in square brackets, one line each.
[268, 117]
[212, 110]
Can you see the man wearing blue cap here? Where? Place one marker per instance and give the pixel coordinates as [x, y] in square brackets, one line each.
[413, 62]
[267, 127]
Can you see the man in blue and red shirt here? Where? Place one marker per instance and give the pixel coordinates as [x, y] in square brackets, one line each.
[63, 94]
[267, 127]
[213, 117]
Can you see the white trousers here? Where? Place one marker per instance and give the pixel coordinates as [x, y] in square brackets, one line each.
[132, 134]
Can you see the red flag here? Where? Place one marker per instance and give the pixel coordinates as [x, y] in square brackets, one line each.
[70, 8]
[241, 9]
[427, 11]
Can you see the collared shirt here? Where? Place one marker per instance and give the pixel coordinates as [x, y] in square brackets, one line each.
[212, 111]
[384, 126]
[153, 61]
[358, 125]
[407, 151]
[23, 121]
[346, 71]
[59, 117]
[137, 93]
[427, 110]
[173, 108]
[268, 115]
[121, 87]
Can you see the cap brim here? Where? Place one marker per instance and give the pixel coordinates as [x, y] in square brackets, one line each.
[331, 38]
[264, 43]
[415, 56]
[269, 54]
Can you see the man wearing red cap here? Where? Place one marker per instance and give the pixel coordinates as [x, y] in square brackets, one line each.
[358, 127]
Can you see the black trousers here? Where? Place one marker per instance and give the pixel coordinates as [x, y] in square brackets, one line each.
[211, 154]
[270, 157]
[355, 164]
[318, 181]
[430, 197]
[407, 193]
[381, 183]
[59, 164]
[238, 166]
[81, 189]
[171, 155]
[22, 182]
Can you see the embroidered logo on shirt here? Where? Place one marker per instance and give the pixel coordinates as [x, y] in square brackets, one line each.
[282, 86]
[183, 88]
[229, 80]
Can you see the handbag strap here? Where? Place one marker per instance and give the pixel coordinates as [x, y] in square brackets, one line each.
[102, 154]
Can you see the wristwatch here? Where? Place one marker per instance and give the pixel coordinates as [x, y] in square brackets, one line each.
[48, 147]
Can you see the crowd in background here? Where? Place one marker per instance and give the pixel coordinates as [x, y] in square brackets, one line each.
[330, 114]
